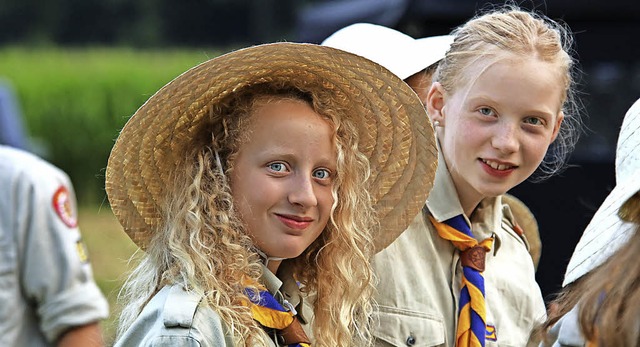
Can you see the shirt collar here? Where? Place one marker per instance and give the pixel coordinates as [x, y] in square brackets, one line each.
[443, 204]
[270, 281]
[284, 288]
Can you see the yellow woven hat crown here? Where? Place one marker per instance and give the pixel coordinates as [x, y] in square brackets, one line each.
[393, 128]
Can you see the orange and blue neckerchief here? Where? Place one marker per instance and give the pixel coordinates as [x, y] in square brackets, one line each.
[472, 328]
[267, 311]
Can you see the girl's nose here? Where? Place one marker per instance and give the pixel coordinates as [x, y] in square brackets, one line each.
[302, 193]
[505, 138]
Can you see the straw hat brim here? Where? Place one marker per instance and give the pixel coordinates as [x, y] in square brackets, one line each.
[393, 128]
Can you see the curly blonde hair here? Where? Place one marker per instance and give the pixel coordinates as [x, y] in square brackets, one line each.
[508, 30]
[204, 246]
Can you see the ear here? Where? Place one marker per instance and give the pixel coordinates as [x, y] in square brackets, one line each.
[556, 127]
[435, 102]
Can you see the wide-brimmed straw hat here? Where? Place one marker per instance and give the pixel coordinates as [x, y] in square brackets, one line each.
[607, 232]
[400, 53]
[394, 132]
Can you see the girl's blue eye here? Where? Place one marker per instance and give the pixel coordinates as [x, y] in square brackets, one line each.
[533, 121]
[278, 167]
[486, 111]
[321, 174]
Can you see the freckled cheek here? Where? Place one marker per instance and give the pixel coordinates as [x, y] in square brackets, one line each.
[252, 196]
[456, 128]
[465, 141]
[535, 151]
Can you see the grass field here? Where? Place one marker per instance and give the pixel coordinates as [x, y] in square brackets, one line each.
[109, 250]
[74, 101]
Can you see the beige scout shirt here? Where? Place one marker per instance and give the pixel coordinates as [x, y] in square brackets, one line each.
[46, 281]
[176, 318]
[420, 276]
[566, 332]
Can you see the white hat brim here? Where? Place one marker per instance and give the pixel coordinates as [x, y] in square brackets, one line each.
[604, 235]
[606, 232]
[399, 53]
[430, 50]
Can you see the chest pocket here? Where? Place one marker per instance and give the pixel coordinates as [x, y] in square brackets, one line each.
[398, 327]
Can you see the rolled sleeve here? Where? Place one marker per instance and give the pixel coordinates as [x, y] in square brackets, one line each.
[55, 273]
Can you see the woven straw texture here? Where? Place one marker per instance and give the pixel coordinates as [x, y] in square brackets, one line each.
[393, 127]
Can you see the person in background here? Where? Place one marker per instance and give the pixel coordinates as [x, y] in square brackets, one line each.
[502, 104]
[600, 302]
[47, 291]
[255, 187]
[413, 60]
[11, 127]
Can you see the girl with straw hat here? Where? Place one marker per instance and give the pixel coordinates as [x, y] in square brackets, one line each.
[258, 180]
[600, 302]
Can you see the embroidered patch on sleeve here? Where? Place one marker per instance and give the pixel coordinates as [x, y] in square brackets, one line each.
[64, 208]
[491, 333]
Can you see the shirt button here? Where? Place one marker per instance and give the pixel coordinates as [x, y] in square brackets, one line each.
[411, 340]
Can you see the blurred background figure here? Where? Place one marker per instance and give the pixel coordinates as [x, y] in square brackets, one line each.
[413, 60]
[47, 290]
[11, 128]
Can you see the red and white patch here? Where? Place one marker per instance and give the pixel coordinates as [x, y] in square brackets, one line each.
[64, 208]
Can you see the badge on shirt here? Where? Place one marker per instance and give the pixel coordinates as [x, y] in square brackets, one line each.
[63, 205]
[491, 333]
[81, 249]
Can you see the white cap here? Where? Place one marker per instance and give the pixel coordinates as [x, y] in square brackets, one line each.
[399, 53]
[606, 232]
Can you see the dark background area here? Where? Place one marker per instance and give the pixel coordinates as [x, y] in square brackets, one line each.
[606, 44]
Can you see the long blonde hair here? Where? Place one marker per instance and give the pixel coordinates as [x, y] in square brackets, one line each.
[203, 245]
[510, 30]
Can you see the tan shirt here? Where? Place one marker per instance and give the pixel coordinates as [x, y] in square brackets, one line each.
[420, 276]
[175, 317]
[46, 282]
[566, 332]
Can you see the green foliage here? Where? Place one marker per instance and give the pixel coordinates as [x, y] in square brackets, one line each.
[75, 101]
